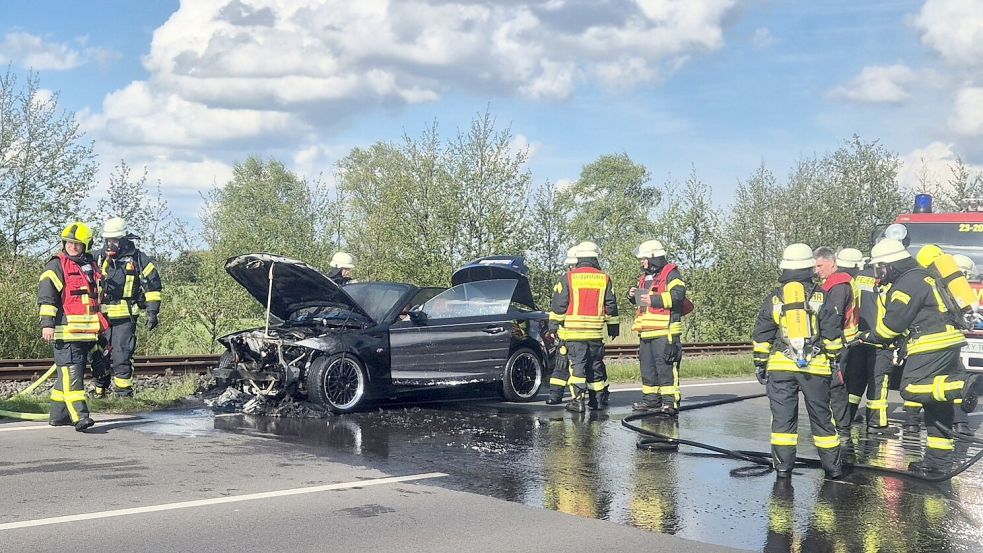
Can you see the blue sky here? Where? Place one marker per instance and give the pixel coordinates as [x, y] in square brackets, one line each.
[187, 89]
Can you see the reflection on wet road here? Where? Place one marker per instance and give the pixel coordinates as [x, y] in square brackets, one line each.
[589, 466]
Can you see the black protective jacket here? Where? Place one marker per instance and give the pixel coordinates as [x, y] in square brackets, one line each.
[130, 281]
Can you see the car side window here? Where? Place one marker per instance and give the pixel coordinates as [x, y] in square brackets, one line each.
[472, 299]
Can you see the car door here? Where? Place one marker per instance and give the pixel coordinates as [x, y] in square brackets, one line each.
[411, 351]
[469, 328]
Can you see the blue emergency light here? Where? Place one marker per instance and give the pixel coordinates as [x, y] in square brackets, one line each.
[923, 203]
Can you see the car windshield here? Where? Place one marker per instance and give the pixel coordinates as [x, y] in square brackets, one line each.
[471, 299]
[961, 238]
[377, 298]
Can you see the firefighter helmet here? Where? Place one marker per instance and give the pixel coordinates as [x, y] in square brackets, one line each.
[850, 258]
[797, 256]
[78, 232]
[966, 264]
[928, 254]
[649, 249]
[588, 250]
[888, 250]
[114, 228]
[571, 256]
[342, 260]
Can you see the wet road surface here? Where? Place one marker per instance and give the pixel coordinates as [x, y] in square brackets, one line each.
[588, 465]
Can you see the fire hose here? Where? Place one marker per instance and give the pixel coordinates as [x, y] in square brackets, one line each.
[30, 416]
[656, 441]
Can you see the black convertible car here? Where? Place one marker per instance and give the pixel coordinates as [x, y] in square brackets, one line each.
[342, 346]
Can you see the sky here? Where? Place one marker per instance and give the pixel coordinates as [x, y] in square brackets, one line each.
[187, 89]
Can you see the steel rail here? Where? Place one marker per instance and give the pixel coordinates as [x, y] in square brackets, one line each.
[25, 369]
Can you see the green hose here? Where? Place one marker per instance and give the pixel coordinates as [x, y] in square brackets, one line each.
[24, 392]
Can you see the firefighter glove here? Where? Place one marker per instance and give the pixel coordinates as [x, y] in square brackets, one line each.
[761, 373]
[613, 331]
[152, 321]
[674, 352]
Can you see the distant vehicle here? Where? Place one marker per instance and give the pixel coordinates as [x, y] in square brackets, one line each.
[344, 346]
[957, 233]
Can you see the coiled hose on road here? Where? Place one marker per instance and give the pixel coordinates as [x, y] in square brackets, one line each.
[656, 441]
[24, 392]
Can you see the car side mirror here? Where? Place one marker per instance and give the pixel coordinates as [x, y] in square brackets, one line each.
[417, 315]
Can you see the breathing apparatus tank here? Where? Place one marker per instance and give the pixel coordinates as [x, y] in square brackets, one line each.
[953, 278]
[798, 323]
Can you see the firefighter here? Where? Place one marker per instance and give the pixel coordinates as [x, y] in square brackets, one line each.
[68, 305]
[841, 295]
[797, 337]
[932, 374]
[584, 305]
[660, 297]
[561, 365]
[869, 366]
[131, 284]
[912, 409]
[341, 268]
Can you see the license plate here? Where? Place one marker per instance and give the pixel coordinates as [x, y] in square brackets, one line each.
[974, 346]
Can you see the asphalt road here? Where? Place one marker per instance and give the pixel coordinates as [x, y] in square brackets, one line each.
[471, 476]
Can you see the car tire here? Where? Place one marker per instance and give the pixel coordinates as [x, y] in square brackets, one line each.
[523, 376]
[337, 382]
[225, 373]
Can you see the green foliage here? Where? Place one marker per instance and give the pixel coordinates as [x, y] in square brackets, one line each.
[46, 167]
[715, 366]
[176, 389]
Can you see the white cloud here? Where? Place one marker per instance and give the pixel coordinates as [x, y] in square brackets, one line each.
[877, 84]
[967, 116]
[762, 38]
[34, 52]
[954, 29]
[931, 164]
[520, 142]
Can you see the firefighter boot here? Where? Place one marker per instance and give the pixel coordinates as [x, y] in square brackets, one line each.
[648, 403]
[604, 397]
[556, 396]
[912, 422]
[925, 469]
[579, 403]
[83, 424]
[592, 400]
[97, 392]
[961, 427]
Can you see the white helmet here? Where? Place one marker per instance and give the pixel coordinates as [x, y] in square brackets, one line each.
[588, 250]
[797, 256]
[850, 258]
[966, 265]
[342, 260]
[571, 256]
[114, 228]
[888, 250]
[649, 249]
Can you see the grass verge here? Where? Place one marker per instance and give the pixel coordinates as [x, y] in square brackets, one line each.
[715, 366]
[161, 397]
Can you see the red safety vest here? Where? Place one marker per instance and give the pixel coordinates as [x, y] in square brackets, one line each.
[655, 321]
[851, 319]
[79, 303]
[585, 317]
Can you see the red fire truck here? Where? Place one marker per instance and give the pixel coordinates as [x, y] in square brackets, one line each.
[956, 233]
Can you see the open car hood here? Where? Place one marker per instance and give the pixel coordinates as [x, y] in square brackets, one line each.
[496, 267]
[295, 284]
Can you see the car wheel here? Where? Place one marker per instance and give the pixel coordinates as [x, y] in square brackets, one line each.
[225, 373]
[337, 382]
[523, 375]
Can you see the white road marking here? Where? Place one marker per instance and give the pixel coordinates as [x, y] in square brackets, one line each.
[40, 426]
[217, 501]
[45, 426]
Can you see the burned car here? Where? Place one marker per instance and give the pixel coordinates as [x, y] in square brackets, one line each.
[344, 346]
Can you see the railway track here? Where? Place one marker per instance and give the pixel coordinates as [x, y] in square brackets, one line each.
[27, 369]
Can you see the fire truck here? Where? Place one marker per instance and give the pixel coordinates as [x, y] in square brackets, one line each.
[956, 233]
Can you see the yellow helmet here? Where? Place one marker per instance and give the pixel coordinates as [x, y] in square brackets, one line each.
[342, 260]
[928, 254]
[78, 232]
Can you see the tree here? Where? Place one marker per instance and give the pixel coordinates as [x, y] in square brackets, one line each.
[550, 239]
[145, 210]
[46, 166]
